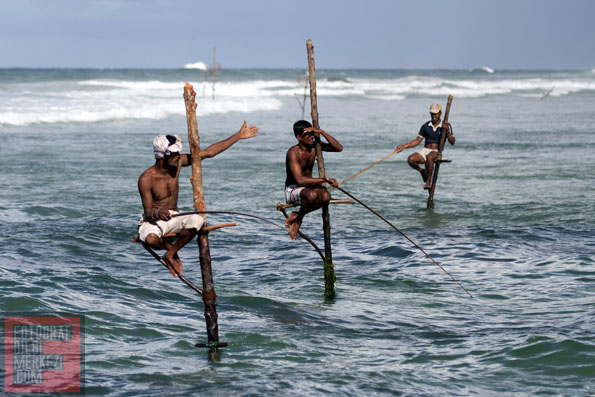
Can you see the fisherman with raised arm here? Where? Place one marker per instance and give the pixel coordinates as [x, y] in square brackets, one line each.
[429, 131]
[300, 187]
[158, 188]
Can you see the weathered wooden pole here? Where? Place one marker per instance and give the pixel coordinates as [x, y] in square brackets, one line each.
[209, 296]
[329, 268]
[430, 203]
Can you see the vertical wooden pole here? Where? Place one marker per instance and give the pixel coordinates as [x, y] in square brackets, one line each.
[430, 202]
[209, 296]
[329, 268]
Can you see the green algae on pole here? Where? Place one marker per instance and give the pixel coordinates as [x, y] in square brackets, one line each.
[329, 268]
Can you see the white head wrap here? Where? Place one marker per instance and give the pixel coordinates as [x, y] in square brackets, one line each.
[163, 146]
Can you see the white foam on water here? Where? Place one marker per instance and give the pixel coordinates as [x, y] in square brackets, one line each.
[96, 100]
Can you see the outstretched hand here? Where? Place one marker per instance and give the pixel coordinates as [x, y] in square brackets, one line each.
[399, 148]
[247, 132]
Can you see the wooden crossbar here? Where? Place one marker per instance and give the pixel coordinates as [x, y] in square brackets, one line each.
[338, 201]
[209, 228]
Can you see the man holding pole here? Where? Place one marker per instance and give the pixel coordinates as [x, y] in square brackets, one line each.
[429, 131]
[300, 187]
[158, 188]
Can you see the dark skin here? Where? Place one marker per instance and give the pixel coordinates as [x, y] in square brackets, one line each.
[299, 162]
[158, 187]
[416, 159]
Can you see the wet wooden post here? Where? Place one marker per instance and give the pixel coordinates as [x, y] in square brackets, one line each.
[430, 203]
[209, 297]
[329, 268]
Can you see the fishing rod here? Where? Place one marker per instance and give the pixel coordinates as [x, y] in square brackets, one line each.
[365, 169]
[302, 235]
[404, 235]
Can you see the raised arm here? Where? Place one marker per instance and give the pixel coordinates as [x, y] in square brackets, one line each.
[449, 135]
[245, 132]
[333, 145]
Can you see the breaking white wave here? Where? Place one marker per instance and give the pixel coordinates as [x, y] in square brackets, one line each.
[196, 65]
[98, 99]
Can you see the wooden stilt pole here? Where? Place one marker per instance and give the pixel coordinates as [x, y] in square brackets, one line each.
[209, 296]
[430, 202]
[329, 268]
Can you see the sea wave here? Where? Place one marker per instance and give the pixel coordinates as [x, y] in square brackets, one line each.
[100, 99]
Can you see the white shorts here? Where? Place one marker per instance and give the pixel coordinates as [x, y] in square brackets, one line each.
[292, 194]
[174, 225]
[425, 151]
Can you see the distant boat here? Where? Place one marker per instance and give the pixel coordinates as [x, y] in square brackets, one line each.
[196, 65]
[486, 69]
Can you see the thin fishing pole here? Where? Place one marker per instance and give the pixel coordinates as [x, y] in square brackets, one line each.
[407, 237]
[365, 169]
[302, 235]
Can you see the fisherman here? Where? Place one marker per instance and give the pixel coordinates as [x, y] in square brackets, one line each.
[300, 188]
[429, 131]
[158, 188]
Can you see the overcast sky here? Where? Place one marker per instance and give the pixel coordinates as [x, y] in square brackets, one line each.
[455, 34]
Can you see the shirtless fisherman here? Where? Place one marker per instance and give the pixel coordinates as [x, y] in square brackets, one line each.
[300, 187]
[431, 132]
[158, 188]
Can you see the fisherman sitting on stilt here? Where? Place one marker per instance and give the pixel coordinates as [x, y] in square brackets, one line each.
[431, 132]
[300, 188]
[158, 188]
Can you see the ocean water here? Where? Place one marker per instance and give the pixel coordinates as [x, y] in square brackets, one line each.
[513, 222]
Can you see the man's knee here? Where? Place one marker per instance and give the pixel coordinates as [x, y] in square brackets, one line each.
[324, 196]
[154, 240]
[414, 159]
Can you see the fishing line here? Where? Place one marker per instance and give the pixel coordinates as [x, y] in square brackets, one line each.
[365, 169]
[407, 237]
[302, 235]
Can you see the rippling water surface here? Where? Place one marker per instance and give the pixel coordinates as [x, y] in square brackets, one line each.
[513, 222]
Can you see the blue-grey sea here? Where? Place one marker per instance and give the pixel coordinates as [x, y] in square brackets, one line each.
[514, 222]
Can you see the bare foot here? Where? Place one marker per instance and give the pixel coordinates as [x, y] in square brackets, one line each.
[427, 187]
[290, 219]
[174, 264]
[294, 228]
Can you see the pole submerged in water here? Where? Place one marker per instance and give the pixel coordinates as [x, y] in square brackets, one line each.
[329, 267]
[209, 296]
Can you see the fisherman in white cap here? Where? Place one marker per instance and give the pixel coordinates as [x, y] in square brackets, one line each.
[158, 188]
[429, 131]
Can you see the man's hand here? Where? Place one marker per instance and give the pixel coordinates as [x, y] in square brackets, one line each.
[247, 132]
[312, 129]
[161, 215]
[400, 148]
[332, 181]
[447, 126]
